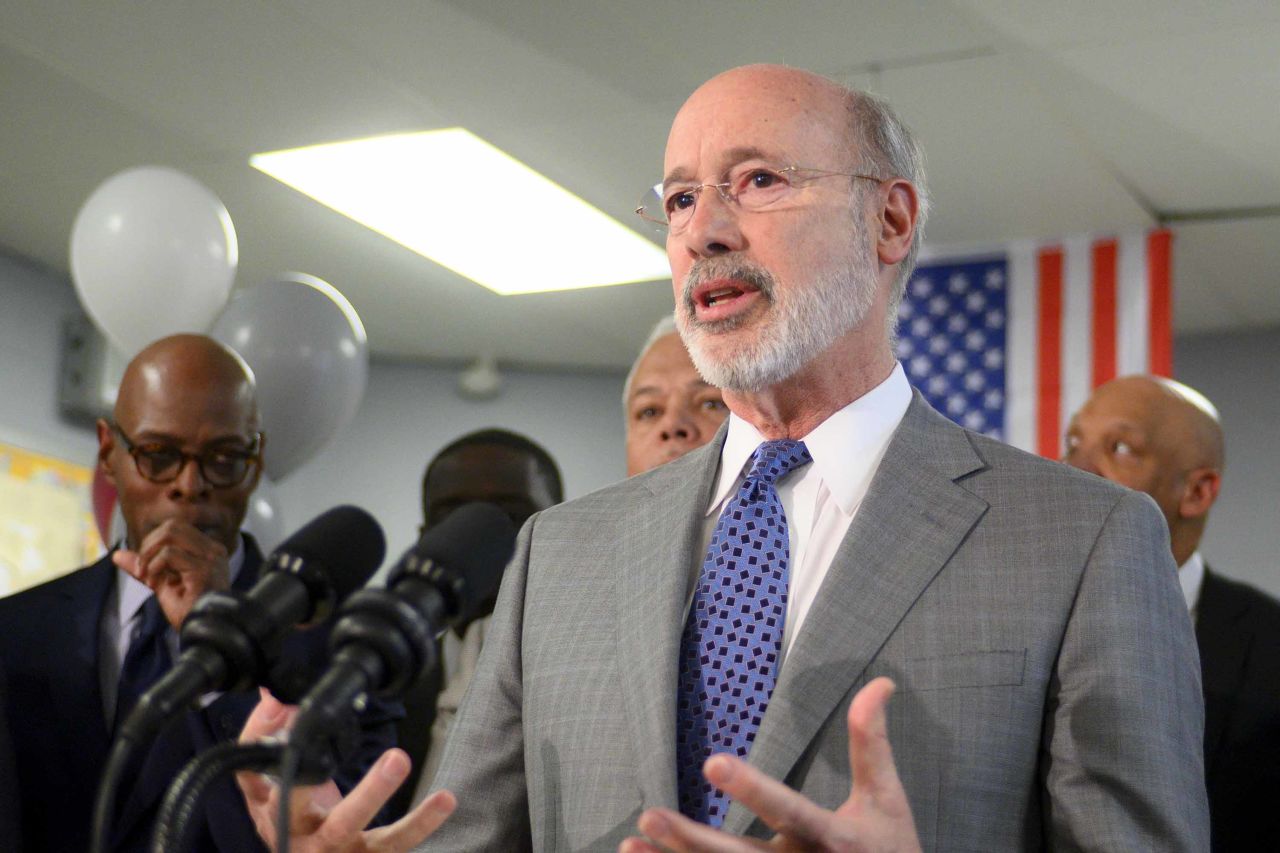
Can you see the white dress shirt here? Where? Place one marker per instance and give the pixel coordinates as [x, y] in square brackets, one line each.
[121, 616]
[457, 680]
[1191, 578]
[819, 499]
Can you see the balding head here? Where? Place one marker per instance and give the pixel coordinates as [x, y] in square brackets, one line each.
[1187, 407]
[191, 394]
[186, 366]
[1158, 436]
[782, 95]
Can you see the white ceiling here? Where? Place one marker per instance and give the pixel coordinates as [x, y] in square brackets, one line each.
[1040, 119]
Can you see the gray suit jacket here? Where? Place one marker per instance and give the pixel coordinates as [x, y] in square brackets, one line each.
[1049, 692]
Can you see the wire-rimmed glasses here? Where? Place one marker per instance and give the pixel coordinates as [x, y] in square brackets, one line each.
[751, 186]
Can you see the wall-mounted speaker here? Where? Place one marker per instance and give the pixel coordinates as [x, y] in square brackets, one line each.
[89, 372]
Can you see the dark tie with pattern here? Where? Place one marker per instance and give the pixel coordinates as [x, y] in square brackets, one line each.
[732, 640]
[146, 660]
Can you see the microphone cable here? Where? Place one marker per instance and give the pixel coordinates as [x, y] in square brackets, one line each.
[176, 821]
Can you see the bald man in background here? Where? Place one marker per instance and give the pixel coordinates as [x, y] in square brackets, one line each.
[670, 408]
[184, 452]
[1161, 437]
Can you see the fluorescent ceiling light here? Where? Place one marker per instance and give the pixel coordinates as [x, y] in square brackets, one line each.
[451, 196]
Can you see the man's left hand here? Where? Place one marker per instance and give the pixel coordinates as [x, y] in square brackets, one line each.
[321, 820]
[875, 819]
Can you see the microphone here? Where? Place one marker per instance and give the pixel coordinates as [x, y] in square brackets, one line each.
[231, 639]
[386, 639]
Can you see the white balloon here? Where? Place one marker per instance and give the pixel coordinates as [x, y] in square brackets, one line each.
[263, 519]
[153, 253]
[310, 357]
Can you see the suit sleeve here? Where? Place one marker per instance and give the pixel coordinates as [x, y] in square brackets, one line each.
[1123, 756]
[483, 761]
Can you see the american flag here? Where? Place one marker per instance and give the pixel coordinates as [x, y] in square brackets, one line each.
[1011, 343]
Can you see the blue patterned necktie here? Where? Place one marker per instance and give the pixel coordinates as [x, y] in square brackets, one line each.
[146, 660]
[732, 640]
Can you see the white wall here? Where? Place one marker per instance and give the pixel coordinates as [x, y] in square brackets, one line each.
[411, 411]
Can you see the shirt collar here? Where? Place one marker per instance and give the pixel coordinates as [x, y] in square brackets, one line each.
[1191, 578]
[846, 448]
[134, 593]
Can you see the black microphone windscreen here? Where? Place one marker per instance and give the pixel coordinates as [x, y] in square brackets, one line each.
[475, 542]
[345, 540]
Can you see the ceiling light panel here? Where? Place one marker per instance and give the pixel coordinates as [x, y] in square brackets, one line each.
[454, 198]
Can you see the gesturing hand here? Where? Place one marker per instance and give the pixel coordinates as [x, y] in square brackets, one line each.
[320, 818]
[180, 563]
[875, 819]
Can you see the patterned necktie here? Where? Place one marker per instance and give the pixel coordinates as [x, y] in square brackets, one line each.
[146, 660]
[733, 639]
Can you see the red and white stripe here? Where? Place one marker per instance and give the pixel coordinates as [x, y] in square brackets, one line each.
[1081, 312]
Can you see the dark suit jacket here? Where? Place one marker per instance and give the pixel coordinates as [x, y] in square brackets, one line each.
[49, 652]
[10, 836]
[413, 733]
[1238, 631]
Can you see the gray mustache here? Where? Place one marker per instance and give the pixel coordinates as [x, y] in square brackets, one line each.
[709, 269]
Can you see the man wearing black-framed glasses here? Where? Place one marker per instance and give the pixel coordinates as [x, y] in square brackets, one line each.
[184, 463]
[184, 452]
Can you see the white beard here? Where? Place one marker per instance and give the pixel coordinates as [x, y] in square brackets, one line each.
[805, 322]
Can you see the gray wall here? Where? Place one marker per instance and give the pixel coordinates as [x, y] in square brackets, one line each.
[32, 307]
[1240, 373]
[410, 411]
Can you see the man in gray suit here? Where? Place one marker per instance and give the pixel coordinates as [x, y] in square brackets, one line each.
[1048, 694]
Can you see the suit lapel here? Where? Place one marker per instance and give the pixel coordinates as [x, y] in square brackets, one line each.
[912, 520]
[249, 568]
[654, 579]
[74, 682]
[1223, 650]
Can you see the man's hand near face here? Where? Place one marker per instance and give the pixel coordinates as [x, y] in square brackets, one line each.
[180, 563]
[875, 819]
[320, 818]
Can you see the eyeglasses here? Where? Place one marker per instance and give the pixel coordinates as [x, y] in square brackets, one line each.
[750, 186]
[221, 467]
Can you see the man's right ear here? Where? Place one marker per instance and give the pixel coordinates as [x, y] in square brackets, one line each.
[1199, 492]
[106, 443]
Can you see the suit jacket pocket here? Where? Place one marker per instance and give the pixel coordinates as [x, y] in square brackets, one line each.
[994, 668]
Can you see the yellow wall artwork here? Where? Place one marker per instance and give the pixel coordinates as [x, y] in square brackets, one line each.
[46, 518]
